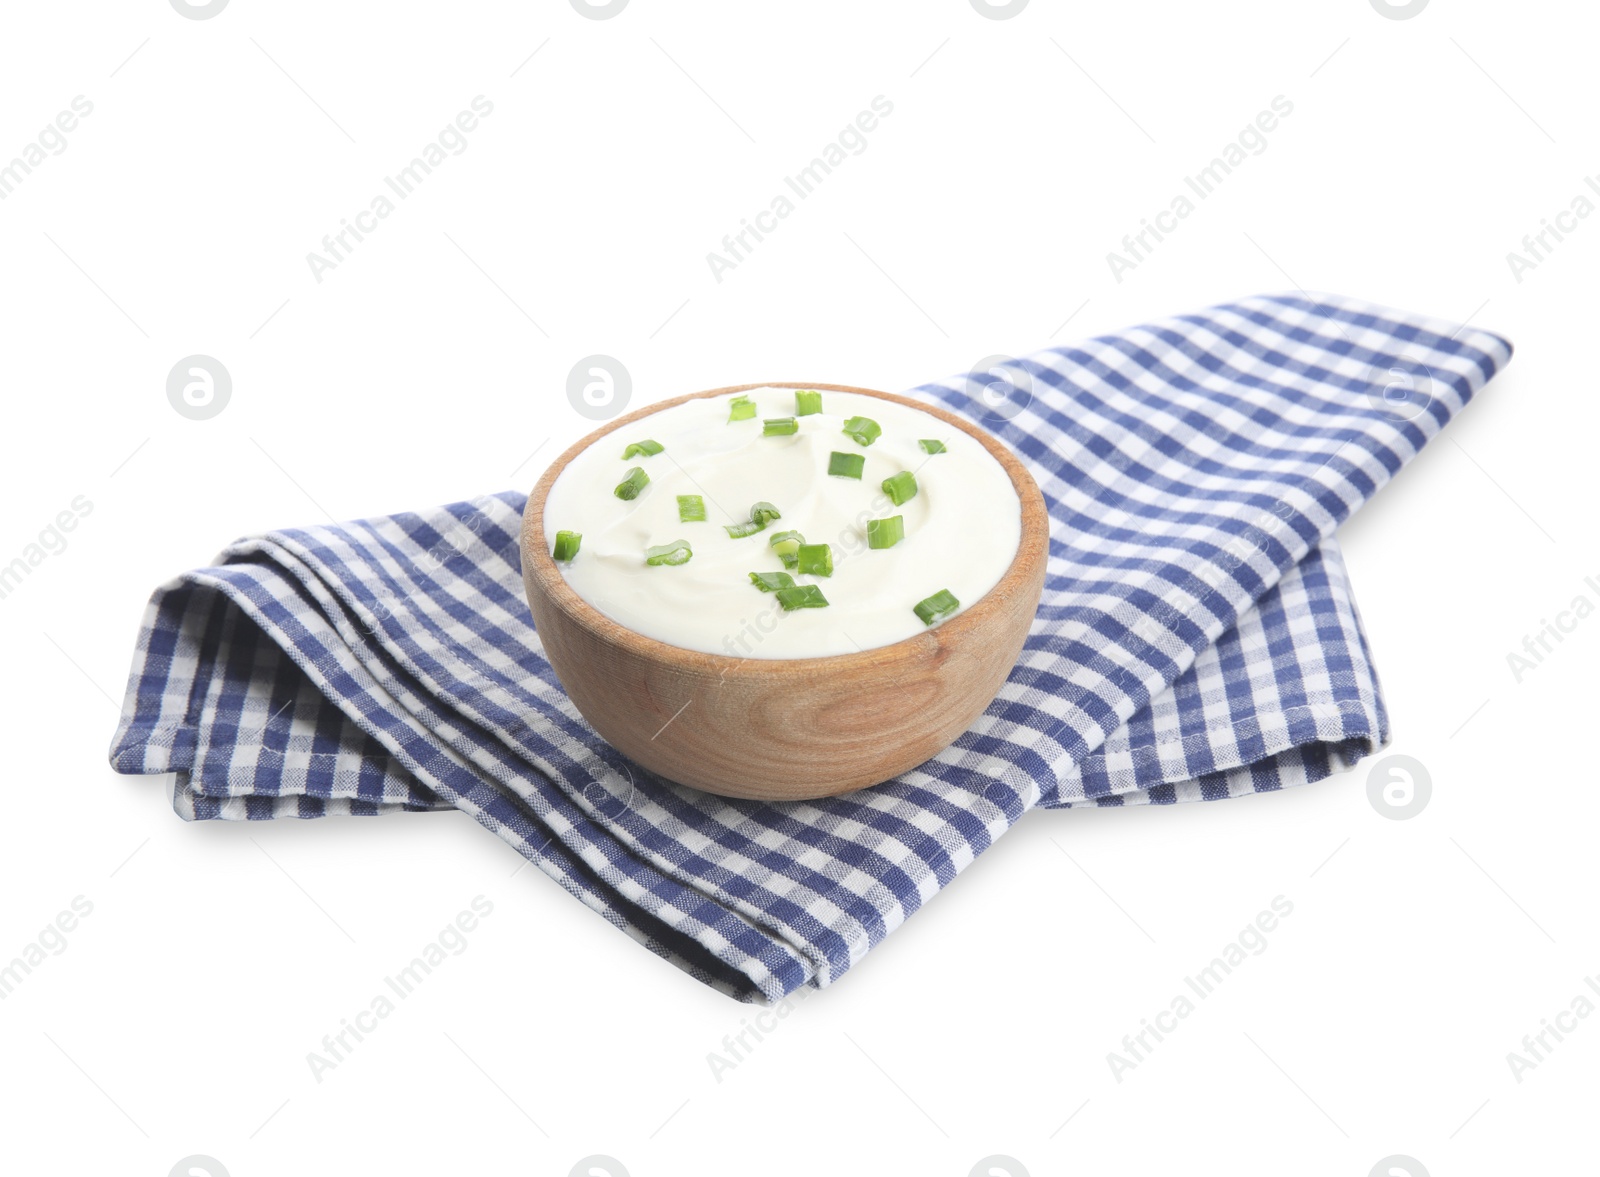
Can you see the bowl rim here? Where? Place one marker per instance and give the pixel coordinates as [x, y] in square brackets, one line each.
[1032, 552]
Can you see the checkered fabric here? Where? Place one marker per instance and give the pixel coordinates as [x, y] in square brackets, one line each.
[1197, 639]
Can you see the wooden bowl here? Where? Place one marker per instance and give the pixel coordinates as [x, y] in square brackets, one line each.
[795, 728]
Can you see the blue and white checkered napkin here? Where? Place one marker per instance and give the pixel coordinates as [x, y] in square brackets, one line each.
[1197, 639]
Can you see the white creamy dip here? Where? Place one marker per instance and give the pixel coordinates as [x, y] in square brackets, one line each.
[962, 527]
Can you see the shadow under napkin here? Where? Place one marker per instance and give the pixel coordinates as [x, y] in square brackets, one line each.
[1197, 639]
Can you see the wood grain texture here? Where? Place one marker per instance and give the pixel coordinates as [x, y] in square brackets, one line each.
[785, 729]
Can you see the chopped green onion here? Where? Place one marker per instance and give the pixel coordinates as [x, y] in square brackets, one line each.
[885, 533]
[741, 408]
[846, 465]
[632, 484]
[645, 447]
[786, 544]
[771, 581]
[779, 427]
[937, 607]
[806, 402]
[691, 509]
[864, 430]
[567, 544]
[815, 559]
[901, 488]
[931, 447]
[677, 552]
[804, 596]
[761, 514]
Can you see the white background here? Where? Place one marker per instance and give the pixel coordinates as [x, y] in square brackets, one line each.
[430, 364]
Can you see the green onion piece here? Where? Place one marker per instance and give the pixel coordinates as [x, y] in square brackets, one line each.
[846, 465]
[806, 402]
[804, 596]
[691, 509]
[741, 408]
[901, 488]
[779, 427]
[567, 544]
[863, 430]
[786, 544]
[632, 484]
[645, 447]
[937, 607]
[761, 514]
[815, 559]
[931, 447]
[677, 552]
[771, 581]
[885, 533]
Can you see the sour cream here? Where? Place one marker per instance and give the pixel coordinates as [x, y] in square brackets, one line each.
[962, 528]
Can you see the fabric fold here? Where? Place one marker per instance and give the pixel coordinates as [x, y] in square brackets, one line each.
[1197, 639]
